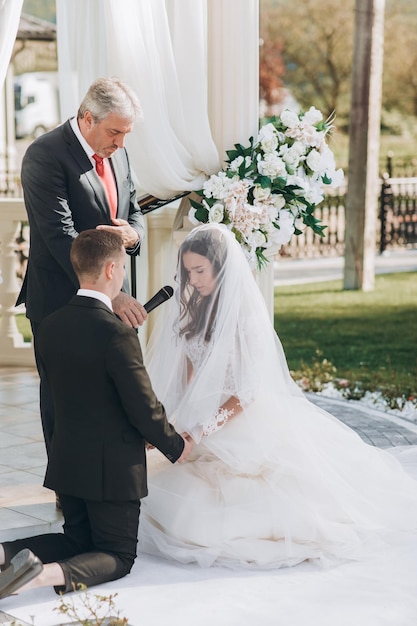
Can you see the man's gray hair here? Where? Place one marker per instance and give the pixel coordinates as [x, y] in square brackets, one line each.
[111, 95]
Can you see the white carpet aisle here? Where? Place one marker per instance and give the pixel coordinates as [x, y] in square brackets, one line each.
[384, 593]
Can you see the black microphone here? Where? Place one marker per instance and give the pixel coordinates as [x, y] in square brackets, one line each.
[161, 296]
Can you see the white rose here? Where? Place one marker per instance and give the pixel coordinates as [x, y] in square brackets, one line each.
[313, 116]
[299, 148]
[216, 213]
[269, 145]
[278, 201]
[291, 158]
[267, 138]
[314, 195]
[314, 160]
[286, 228]
[337, 178]
[257, 239]
[236, 163]
[289, 119]
[261, 193]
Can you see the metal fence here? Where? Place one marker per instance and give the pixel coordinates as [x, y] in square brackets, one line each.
[398, 212]
[396, 224]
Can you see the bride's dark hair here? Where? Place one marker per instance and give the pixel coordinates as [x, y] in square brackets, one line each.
[200, 311]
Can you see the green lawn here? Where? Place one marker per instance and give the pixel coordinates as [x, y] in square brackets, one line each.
[23, 326]
[370, 338]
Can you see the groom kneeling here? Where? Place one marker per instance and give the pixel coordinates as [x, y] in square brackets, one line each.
[105, 412]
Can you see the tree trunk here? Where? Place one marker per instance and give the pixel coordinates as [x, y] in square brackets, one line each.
[364, 132]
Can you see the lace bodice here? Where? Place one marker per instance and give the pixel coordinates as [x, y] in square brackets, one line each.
[196, 350]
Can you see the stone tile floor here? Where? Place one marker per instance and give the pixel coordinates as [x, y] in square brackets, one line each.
[26, 507]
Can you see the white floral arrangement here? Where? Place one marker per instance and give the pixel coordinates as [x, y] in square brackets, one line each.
[268, 191]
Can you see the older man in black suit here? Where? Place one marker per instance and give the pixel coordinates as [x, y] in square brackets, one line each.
[66, 192]
[105, 412]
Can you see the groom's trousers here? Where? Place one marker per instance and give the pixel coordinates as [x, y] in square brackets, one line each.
[98, 544]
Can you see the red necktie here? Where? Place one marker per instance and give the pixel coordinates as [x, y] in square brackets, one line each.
[103, 169]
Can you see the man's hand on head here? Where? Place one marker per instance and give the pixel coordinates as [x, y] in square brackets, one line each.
[123, 228]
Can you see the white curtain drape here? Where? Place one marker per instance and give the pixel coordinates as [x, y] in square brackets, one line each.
[159, 47]
[10, 11]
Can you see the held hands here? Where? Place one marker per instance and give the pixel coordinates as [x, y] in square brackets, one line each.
[130, 311]
[124, 229]
[188, 446]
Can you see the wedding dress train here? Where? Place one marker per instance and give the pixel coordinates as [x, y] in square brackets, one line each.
[268, 500]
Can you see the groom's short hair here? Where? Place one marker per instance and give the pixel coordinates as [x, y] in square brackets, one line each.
[92, 249]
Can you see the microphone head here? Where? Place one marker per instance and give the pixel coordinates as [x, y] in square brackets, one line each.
[161, 296]
[168, 290]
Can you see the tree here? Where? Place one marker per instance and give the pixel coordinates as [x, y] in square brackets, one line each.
[364, 131]
[316, 51]
[400, 57]
[271, 71]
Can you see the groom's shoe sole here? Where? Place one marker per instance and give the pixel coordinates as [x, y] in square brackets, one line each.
[24, 566]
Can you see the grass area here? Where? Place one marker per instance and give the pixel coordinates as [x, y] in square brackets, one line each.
[23, 326]
[367, 340]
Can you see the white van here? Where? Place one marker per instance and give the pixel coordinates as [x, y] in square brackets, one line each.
[36, 103]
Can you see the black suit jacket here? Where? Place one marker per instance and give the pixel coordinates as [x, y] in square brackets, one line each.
[64, 196]
[105, 408]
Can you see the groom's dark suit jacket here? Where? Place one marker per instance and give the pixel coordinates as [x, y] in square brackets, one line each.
[105, 408]
[64, 196]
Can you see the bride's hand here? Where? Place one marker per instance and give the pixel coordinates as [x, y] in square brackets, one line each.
[188, 446]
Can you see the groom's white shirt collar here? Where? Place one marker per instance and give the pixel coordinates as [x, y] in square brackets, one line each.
[98, 295]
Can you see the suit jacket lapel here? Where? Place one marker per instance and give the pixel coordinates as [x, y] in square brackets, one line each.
[120, 176]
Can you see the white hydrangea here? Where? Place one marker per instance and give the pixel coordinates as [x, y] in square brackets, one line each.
[217, 186]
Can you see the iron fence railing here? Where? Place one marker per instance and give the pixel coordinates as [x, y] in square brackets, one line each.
[396, 225]
[398, 212]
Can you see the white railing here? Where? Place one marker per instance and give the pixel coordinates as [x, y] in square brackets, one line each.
[14, 351]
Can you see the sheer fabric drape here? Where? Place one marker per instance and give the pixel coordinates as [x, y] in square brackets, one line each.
[9, 23]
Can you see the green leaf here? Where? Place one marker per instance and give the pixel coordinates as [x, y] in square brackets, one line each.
[262, 260]
[195, 204]
[202, 214]
[264, 181]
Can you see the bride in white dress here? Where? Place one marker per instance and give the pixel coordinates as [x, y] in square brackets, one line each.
[273, 480]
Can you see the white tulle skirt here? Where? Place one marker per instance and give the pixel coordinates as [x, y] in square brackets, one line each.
[281, 483]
